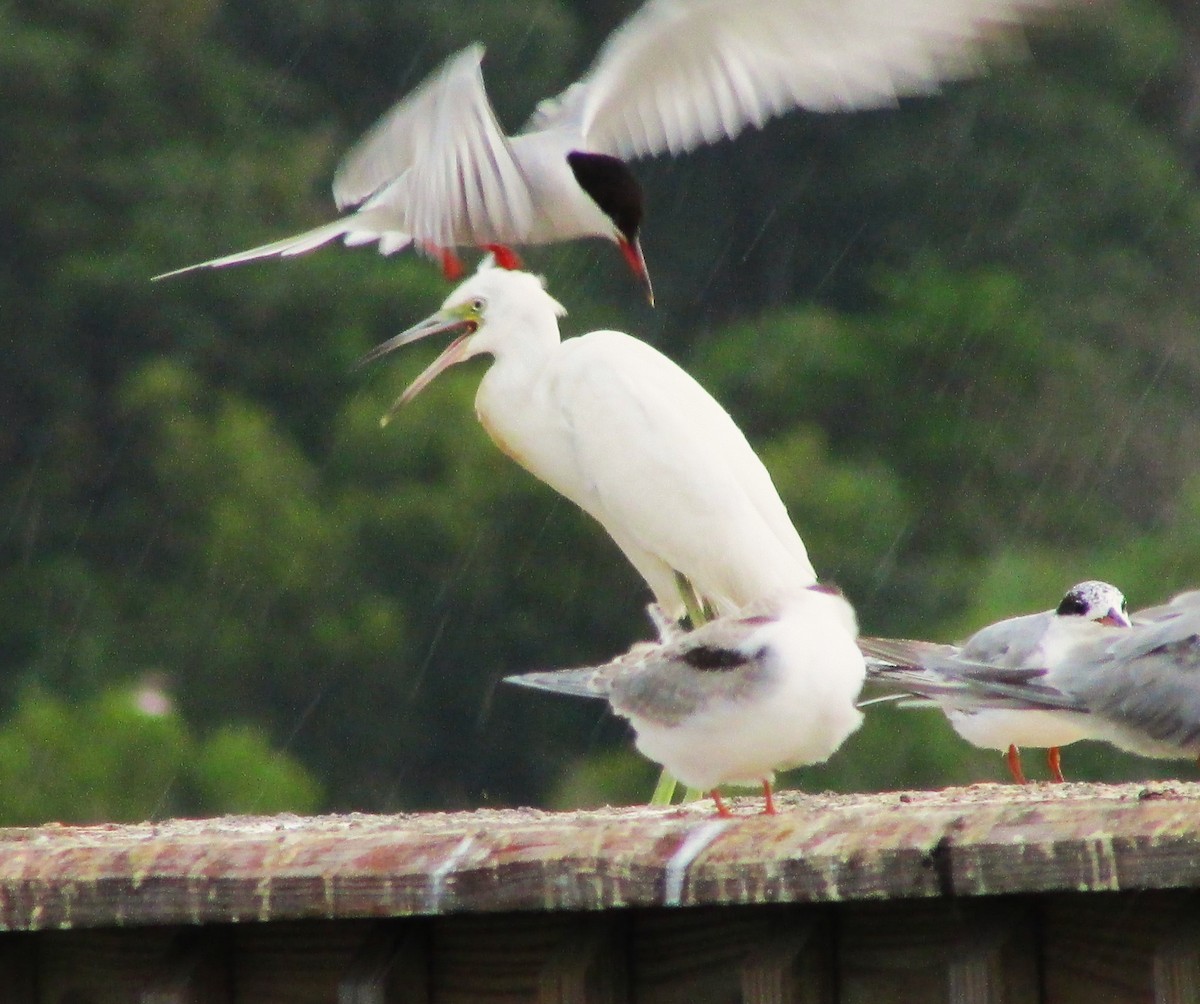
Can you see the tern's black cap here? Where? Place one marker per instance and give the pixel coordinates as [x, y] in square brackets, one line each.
[610, 184]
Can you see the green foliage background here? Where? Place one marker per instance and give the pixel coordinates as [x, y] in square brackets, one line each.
[963, 334]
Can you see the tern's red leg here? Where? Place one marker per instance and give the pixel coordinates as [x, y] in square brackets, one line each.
[1014, 765]
[1054, 759]
[722, 808]
[505, 257]
[769, 809]
[452, 266]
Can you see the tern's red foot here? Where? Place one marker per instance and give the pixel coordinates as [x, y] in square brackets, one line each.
[505, 257]
[722, 808]
[1014, 765]
[452, 266]
[1054, 759]
[769, 808]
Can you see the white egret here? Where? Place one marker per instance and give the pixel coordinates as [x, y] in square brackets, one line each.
[1041, 642]
[738, 698]
[437, 172]
[624, 433]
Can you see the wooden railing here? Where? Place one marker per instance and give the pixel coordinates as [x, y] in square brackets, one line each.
[992, 893]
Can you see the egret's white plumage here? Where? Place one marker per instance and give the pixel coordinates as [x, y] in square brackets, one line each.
[628, 436]
[1040, 641]
[438, 171]
[739, 698]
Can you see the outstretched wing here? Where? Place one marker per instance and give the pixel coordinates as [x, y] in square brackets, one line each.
[440, 160]
[680, 73]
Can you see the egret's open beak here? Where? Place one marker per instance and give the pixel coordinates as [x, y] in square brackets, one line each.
[632, 250]
[441, 323]
[1115, 618]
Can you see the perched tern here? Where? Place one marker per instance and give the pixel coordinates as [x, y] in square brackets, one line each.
[628, 436]
[1041, 642]
[437, 171]
[738, 698]
[1141, 687]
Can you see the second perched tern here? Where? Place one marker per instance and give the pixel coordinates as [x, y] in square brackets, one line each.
[628, 436]
[1041, 641]
[738, 698]
[438, 172]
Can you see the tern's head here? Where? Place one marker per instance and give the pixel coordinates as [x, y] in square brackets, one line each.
[484, 314]
[1096, 601]
[609, 183]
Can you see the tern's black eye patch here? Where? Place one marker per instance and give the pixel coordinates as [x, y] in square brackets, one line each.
[1073, 603]
[611, 185]
[707, 657]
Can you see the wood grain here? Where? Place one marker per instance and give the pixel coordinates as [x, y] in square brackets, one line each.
[985, 840]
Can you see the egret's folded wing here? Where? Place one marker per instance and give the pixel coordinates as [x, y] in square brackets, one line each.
[440, 159]
[680, 73]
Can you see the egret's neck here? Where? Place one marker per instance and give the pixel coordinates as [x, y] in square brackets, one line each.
[521, 355]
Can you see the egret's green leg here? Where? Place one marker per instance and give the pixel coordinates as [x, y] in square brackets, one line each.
[698, 612]
[664, 791]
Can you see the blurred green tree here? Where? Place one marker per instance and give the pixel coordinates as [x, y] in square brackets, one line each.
[125, 755]
[961, 332]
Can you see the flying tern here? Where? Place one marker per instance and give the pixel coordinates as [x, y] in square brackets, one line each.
[437, 172]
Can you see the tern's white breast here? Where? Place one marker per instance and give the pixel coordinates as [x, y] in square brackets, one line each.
[997, 729]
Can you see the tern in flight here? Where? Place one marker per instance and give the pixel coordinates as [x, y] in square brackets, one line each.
[437, 172]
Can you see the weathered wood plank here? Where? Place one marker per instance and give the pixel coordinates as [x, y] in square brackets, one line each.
[391, 966]
[960, 951]
[160, 966]
[710, 955]
[1142, 947]
[296, 962]
[982, 840]
[18, 961]
[588, 965]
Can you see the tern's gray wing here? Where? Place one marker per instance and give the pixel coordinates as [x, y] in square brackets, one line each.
[441, 161]
[1184, 603]
[668, 682]
[680, 73]
[1146, 682]
[588, 681]
[1011, 642]
[704, 668]
[943, 675]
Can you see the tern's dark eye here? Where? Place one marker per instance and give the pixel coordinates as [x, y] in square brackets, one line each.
[478, 304]
[1073, 603]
